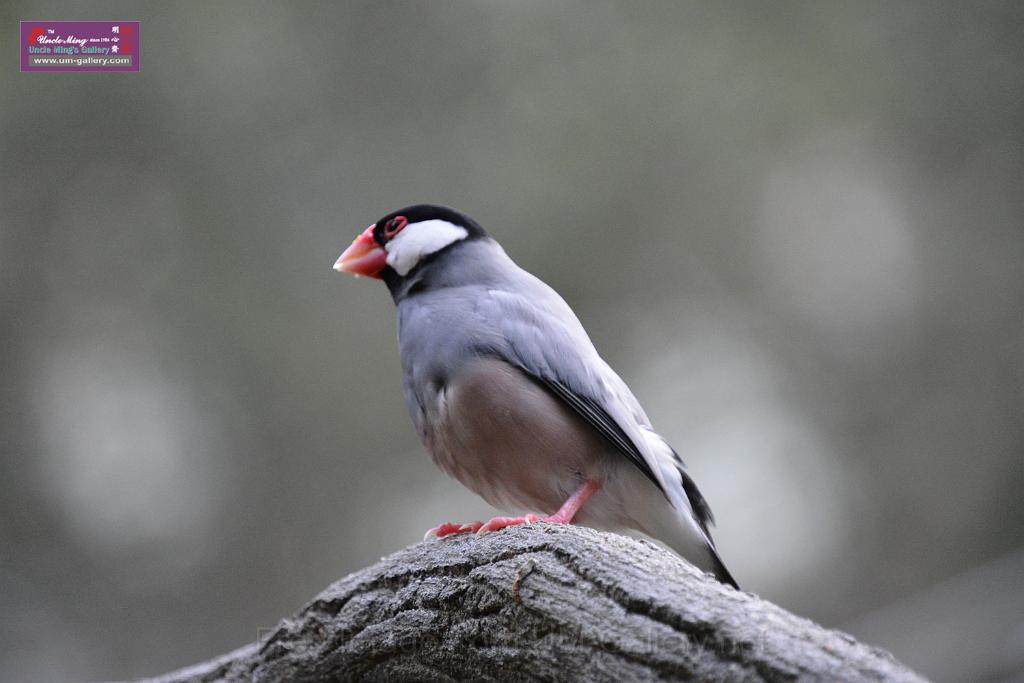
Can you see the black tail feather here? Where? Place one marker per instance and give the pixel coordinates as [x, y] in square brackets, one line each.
[721, 573]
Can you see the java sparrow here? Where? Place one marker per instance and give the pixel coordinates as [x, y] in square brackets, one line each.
[510, 397]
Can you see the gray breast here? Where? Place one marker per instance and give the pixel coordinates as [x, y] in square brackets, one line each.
[506, 438]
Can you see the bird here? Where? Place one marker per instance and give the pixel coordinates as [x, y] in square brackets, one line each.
[510, 397]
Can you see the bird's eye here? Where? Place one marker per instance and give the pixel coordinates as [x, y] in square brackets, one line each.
[395, 226]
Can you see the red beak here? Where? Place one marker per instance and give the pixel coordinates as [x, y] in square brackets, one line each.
[363, 257]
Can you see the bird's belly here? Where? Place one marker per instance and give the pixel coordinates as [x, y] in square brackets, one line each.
[507, 439]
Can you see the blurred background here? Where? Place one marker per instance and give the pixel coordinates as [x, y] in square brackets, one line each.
[796, 230]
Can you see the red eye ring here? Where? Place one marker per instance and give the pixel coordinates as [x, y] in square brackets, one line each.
[395, 226]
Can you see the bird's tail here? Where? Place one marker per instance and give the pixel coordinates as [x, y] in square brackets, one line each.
[691, 542]
[686, 525]
[702, 512]
[697, 547]
[719, 570]
[679, 518]
[687, 529]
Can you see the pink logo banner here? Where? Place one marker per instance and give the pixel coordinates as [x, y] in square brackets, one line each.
[79, 46]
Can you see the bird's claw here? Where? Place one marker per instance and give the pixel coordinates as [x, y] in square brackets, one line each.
[497, 523]
[449, 528]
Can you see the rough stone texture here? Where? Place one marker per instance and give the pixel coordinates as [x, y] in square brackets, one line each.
[544, 602]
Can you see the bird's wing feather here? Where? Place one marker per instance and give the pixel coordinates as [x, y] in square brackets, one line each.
[541, 335]
[598, 418]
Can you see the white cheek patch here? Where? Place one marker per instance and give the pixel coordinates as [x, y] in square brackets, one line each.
[421, 239]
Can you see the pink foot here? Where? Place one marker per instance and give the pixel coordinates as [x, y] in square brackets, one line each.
[448, 528]
[564, 515]
[497, 523]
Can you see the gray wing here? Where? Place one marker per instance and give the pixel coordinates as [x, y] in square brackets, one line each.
[597, 417]
[541, 335]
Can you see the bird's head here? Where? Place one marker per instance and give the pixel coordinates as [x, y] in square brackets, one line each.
[401, 241]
